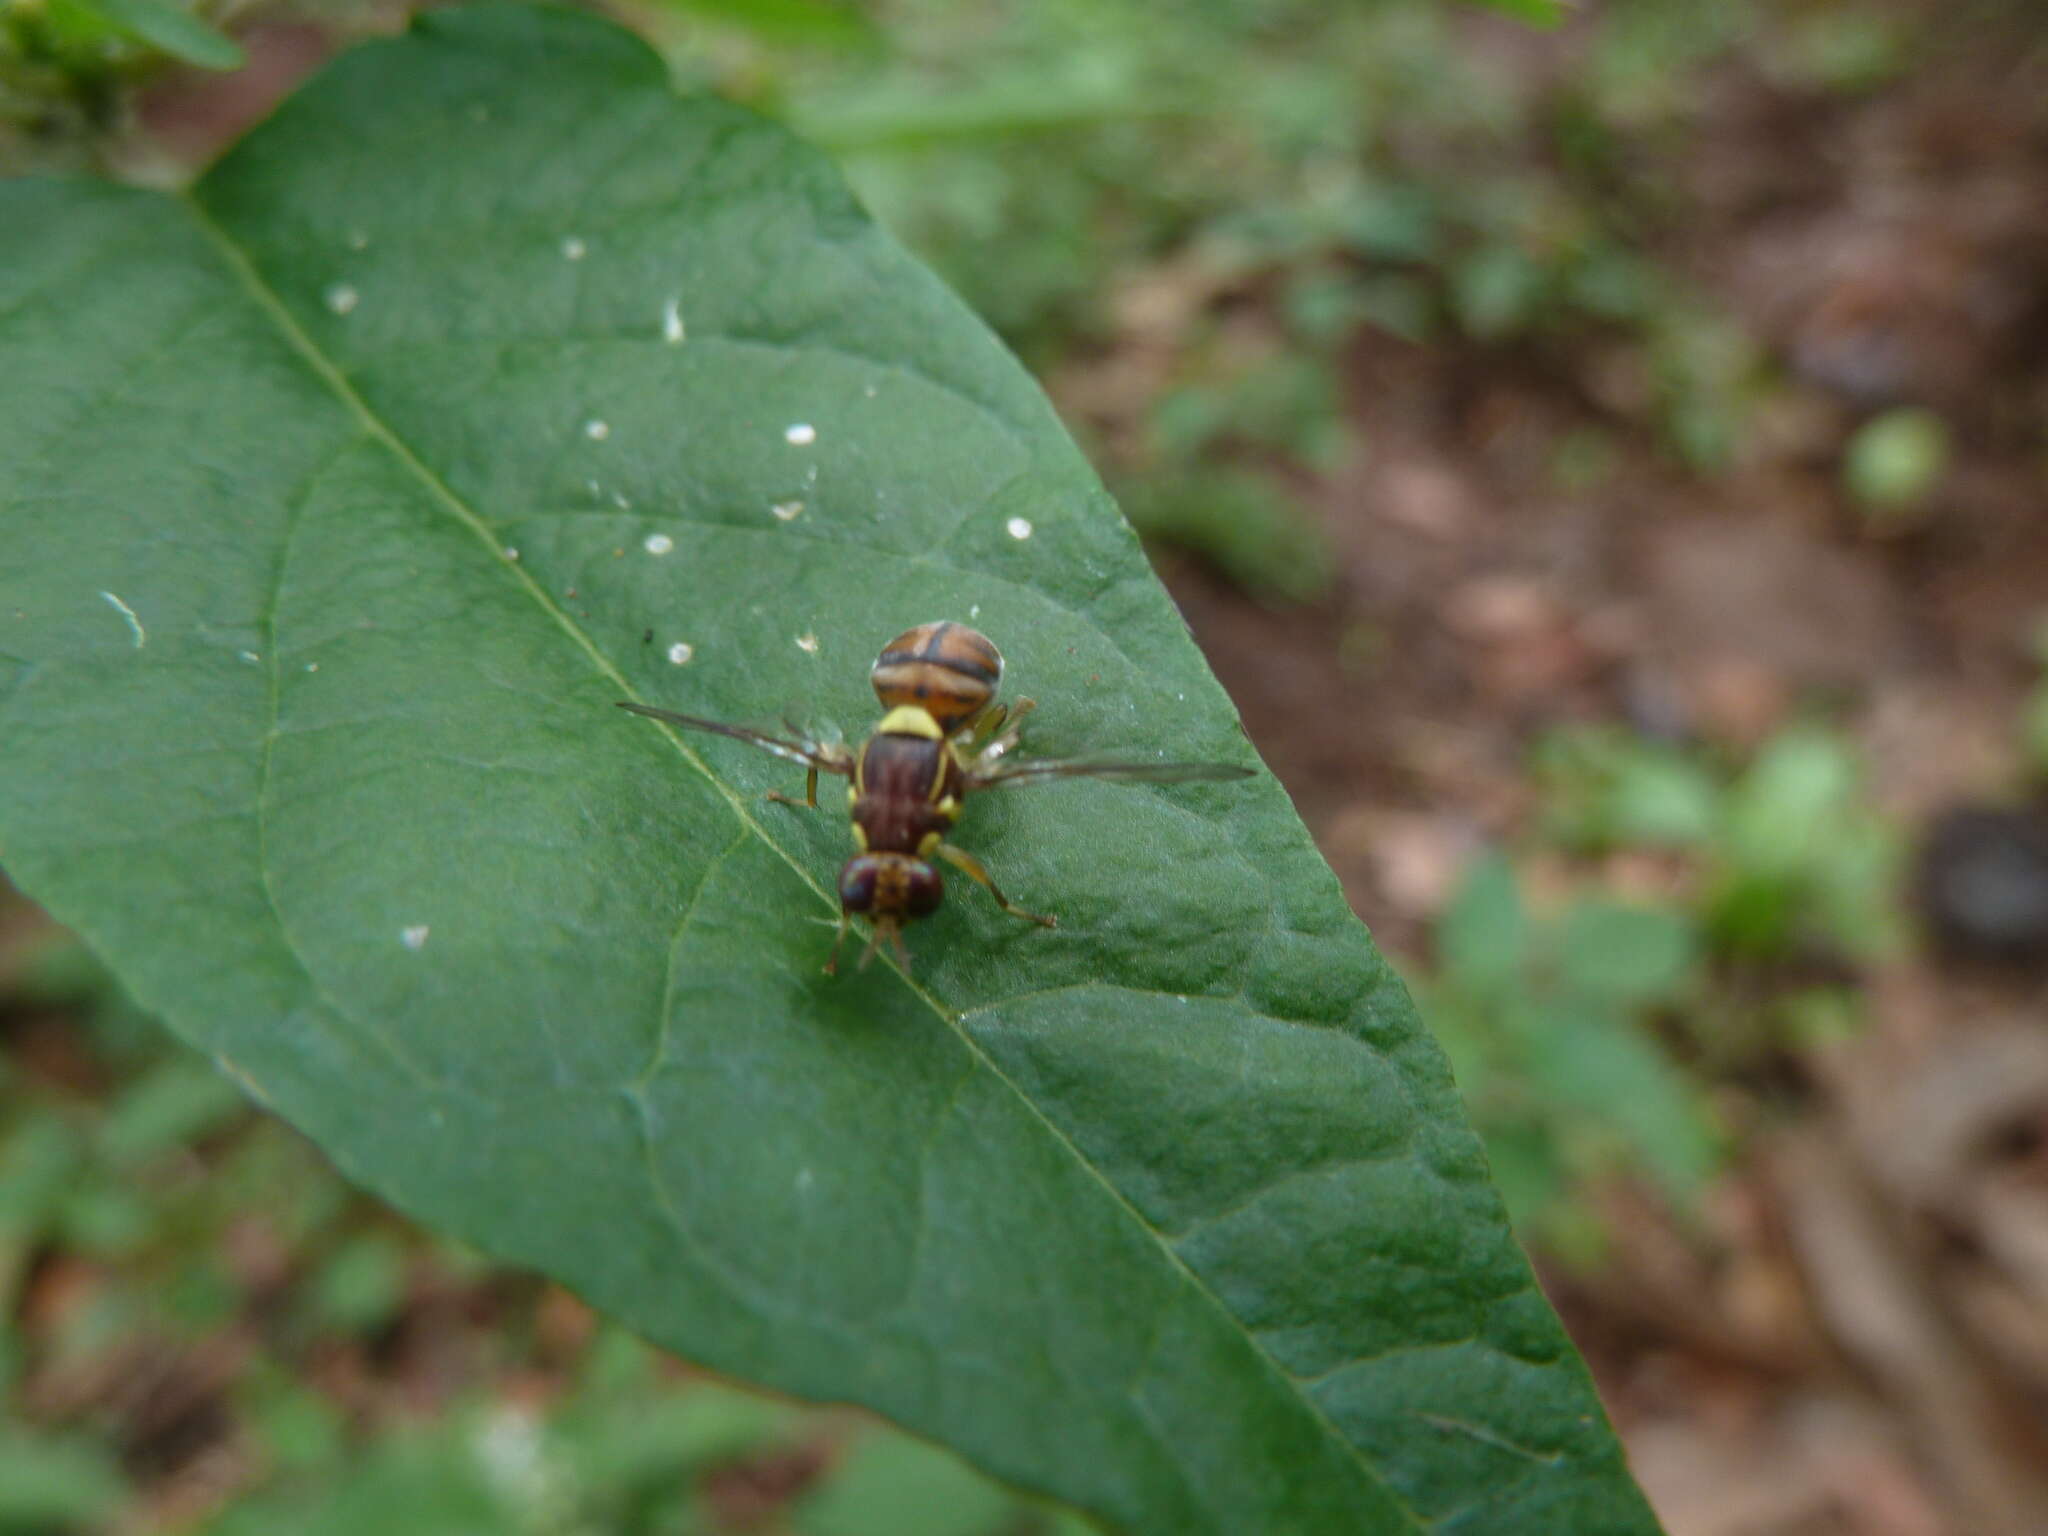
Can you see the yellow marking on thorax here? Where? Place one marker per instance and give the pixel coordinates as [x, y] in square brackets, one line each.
[927, 843]
[910, 720]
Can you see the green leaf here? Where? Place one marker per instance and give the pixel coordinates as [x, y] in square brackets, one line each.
[1792, 802]
[1625, 1090]
[648, 1444]
[177, 1102]
[892, 1485]
[1611, 952]
[1538, 13]
[50, 1483]
[432, 1484]
[360, 1286]
[38, 1158]
[1170, 1213]
[1494, 291]
[1483, 937]
[172, 30]
[1608, 789]
[1245, 524]
[813, 23]
[1894, 460]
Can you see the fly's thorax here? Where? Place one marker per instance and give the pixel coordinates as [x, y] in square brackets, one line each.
[944, 668]
[907, 788]
[890, 885]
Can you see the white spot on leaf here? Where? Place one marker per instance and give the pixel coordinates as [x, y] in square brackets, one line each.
[788, 511]
[597, 431]
[658, 543]
[802, 434]
[672, 322]
[807, 643]
[681, 652]
[414, 938]
[1019, 527]
[574, 248]
[342, 298]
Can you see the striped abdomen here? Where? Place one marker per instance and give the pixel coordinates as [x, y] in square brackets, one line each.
[946, 669]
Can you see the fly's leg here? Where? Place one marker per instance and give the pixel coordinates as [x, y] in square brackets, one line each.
[832, 964]
[810, 798]
[830, 759]
[970, 866]
[986, 725]
[1006, 741]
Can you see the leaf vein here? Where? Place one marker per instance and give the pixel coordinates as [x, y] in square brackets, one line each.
[665, 1020]
[295, 505]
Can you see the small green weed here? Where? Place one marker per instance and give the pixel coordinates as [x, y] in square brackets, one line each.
[1592, 1041]
[1544, 1020]
[1790, 862]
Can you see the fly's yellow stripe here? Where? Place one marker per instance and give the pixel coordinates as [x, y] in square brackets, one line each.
[909, 720]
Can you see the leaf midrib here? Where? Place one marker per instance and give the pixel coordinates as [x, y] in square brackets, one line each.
[272, 304]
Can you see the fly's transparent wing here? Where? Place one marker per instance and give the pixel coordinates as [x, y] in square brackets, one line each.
[828, 759]
[1000, 774]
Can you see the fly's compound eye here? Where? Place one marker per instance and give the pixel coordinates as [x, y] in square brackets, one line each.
[857, 883]
[922, 898]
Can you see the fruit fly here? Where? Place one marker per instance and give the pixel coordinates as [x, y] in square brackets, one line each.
[942, 736]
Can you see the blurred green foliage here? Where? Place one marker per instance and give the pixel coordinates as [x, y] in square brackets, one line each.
[1591, 1042]
[55, 1482]
[1892, 463]
[2033, 722]
[344, 1373]
[65, 65]
[1544, 1020]
[1790, 861]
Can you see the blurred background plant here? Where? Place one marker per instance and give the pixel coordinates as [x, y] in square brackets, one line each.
[1601, 448]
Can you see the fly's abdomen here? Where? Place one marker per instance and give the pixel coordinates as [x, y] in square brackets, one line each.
[946, 669]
